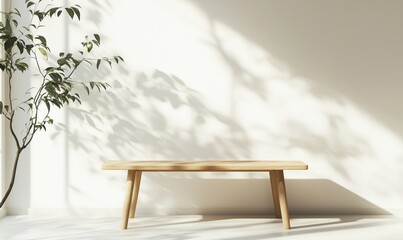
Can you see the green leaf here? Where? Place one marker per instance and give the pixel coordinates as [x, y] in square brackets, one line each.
[51, 91]
[40, 15]
[63, 61]
[96, 36]
[17, 12]
[8, 45]
[47, 105]
[98, 63]
[29, 48]
[5, 36]
[42, 39]
[30, 4]
[1, 107]
[96, 43]
[15, 22]
[57, 103]
[49, 69]
[21, 66]
[29, 36]
[76, 11]
[20, 46]
[89, 46]
[43, 52]
[55, 76]
[59, 12]
[70, 12]
[52, 11]
[76, 62]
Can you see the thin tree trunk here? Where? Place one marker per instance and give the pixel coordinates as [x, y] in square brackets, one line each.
[10, 186]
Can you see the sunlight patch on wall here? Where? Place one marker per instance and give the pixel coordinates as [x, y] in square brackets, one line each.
[244, 98]
[288, 120]
[194, 87]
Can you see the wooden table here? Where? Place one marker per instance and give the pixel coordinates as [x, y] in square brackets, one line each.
[274, 168]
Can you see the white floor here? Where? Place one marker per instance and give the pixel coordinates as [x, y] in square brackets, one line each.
[201, 227]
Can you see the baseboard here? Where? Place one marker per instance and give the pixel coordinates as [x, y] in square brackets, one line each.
[16, 211]
[145, 211]
[76, 212]
[3, 212]
[398, 212]
[117, 212]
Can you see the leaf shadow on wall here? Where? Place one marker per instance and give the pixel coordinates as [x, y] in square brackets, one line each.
[154, 132]
[348, 47]
[128, 120]
[355, 56]
[347, 58]
[133, 116]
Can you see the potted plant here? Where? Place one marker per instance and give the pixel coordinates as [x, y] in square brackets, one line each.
[25, 51]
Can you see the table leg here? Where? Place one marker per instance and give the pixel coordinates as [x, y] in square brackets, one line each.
[274, 190]
[283, 199]
[128, 198]
[137, 180]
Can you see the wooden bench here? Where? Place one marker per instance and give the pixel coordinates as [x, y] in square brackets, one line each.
[275, 169]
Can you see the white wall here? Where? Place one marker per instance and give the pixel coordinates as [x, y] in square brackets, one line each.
[312, 80]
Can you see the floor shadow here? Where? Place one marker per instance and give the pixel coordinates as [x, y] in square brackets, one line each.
[338, 226]
[191, 227]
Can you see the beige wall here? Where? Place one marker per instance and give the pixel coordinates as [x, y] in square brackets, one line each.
[312, 80]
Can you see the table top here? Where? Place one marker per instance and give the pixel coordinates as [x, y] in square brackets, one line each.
[203, 165]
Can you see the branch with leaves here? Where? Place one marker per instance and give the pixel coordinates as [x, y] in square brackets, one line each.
[24, 50]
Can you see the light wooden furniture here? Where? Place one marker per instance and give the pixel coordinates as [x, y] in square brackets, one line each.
[275, 168]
